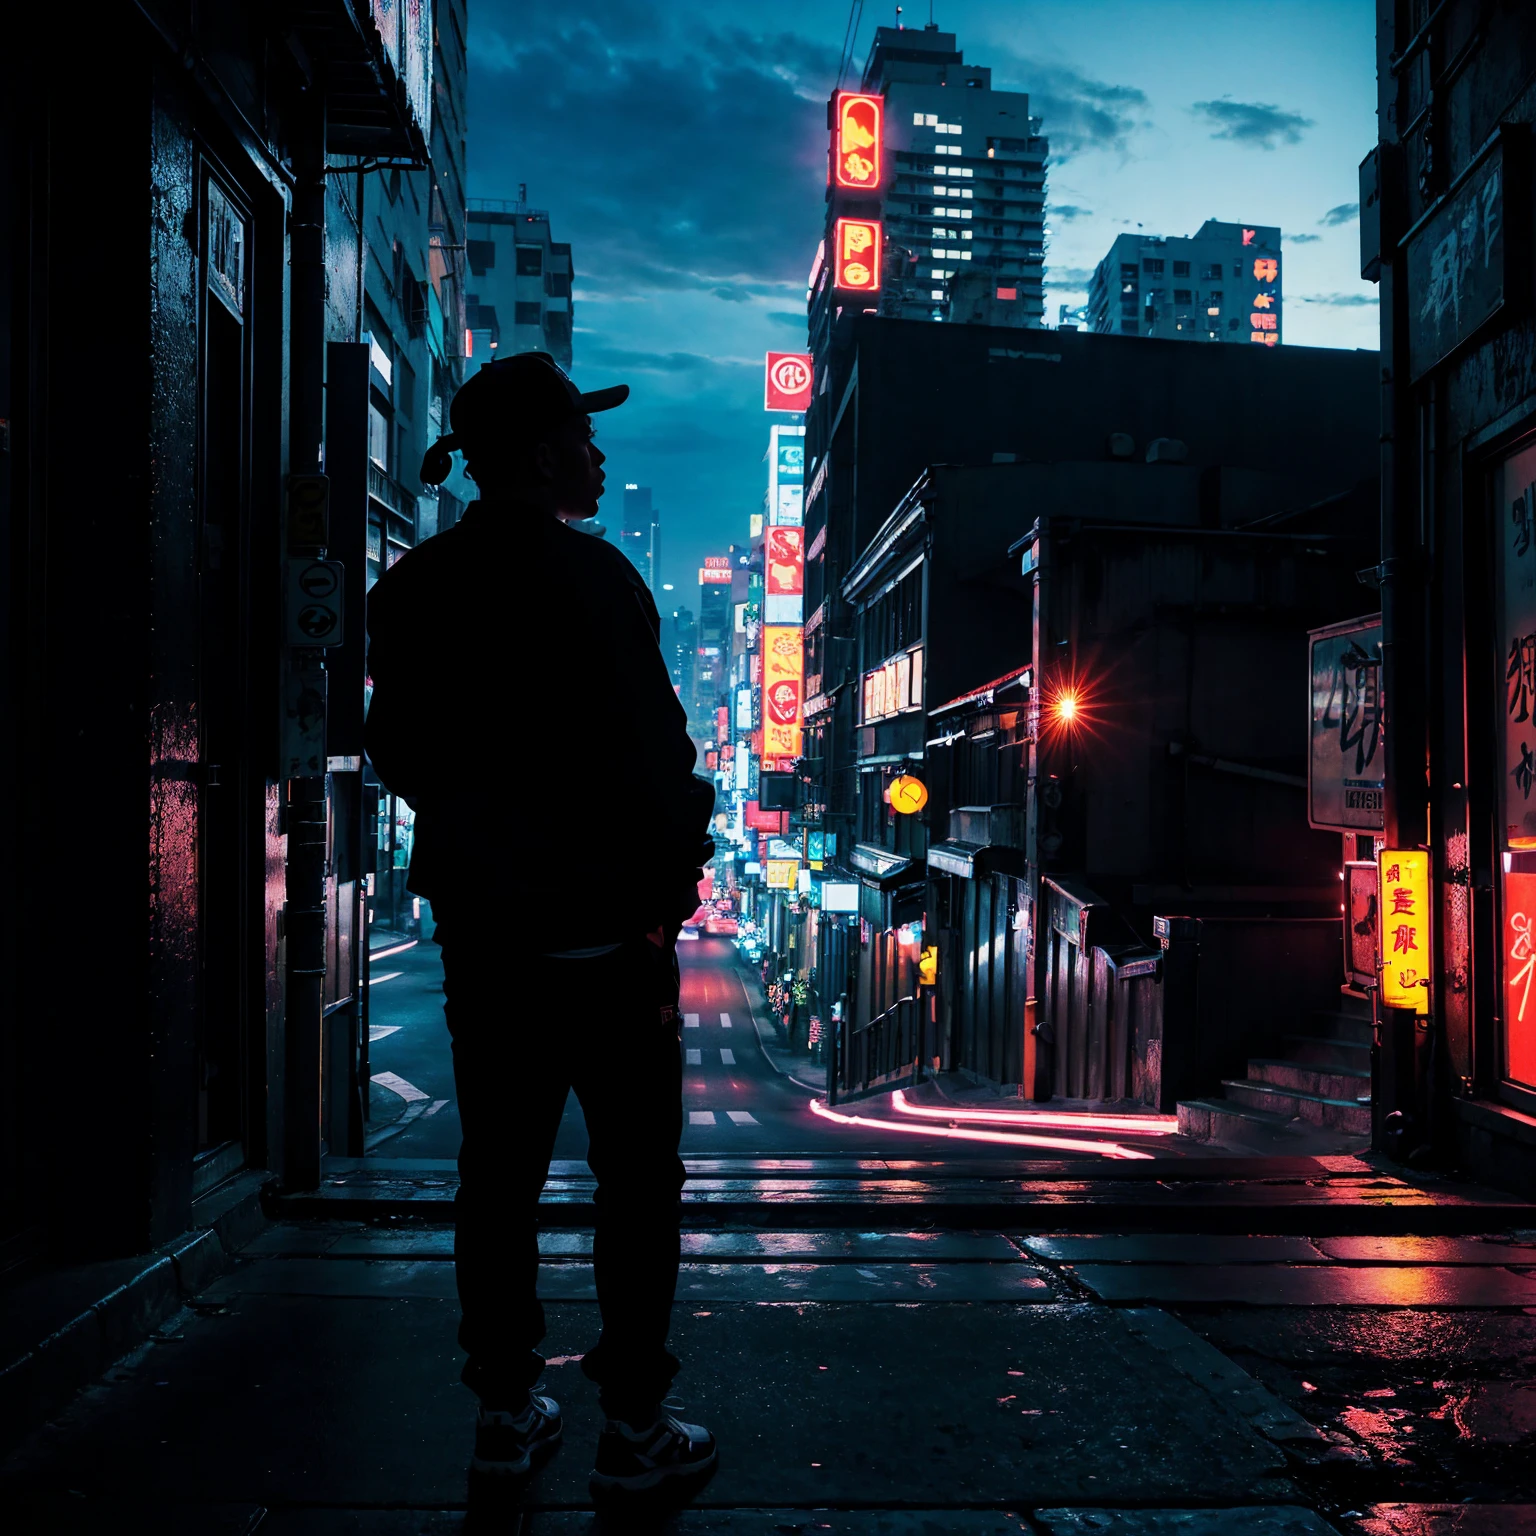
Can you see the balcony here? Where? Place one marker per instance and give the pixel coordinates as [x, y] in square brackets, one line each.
[375, 57]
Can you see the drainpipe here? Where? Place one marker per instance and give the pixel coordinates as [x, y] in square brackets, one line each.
[304, 913]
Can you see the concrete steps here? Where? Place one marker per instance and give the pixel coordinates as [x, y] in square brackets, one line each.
[1318, 1091]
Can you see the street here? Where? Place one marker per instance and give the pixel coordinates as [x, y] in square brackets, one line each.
[736, 1103]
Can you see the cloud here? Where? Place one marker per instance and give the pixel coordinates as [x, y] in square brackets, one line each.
[1301, 239]
[1076, 112]
[1066, 212]
[1068, 277]
[788, 316]
[1340, 300]
[1344, 213]
[1252, 122]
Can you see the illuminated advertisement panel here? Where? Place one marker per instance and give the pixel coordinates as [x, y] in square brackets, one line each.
[716, 568]
[783, 680]
[787, 381]
[1264, 317]
[856, 141]
[1405, 940]
[784, 576]
[856, 255]
[786, 476]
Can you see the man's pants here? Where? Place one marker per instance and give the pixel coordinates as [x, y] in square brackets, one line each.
[526, 1029]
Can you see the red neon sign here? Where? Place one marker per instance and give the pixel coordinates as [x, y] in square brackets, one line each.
[788, 383]
[856, 145]
[856, 260]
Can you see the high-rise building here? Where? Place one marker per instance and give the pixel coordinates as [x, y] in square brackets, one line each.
[640, 533]
[959, 190]
[1222, 283]
[679, 640]
[520, 299]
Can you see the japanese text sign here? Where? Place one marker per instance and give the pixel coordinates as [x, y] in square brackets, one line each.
[787, 382]
[1405, 943]
[856, 141]
[856, 251]
[781, 874]
[783, 679]
[1346, 764]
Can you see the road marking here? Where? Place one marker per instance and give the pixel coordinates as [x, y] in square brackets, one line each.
[725, 1021]
[437, 1104]
[701, 1117]
[378, 1031]
[727, 1056]
[690, 1021]
[695, 1058]
[374, 981]
[741, 1117]
[394, 949]
[397, 1084]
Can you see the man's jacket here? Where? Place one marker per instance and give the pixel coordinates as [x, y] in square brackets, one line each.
[522, 705]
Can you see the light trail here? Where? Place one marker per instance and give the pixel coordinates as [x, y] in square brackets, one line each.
[396, 949]
[1001, 1138]
[1139, 1125]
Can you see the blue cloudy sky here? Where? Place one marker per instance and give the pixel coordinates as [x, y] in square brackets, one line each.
[680, 148]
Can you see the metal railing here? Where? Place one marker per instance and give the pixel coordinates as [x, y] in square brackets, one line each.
[883, 1052]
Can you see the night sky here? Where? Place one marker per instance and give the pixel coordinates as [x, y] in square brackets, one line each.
[681, 148]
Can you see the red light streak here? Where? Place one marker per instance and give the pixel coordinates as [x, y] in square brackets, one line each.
[1144, 1125]
[1002, 1138]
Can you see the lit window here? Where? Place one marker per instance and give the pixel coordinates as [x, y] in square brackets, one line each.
[941, 170]
[965, 192]
[937, 293]
[964, 213]
[1007, 293]
[967, 171]
[966, 234]
[937, 272]
[937, 250]
[963, 255]
[917, 119]
[930, 120]
[1215, 309]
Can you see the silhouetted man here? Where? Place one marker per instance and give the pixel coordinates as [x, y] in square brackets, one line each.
[522, 705]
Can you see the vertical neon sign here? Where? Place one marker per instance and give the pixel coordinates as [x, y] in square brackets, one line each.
[856, 141]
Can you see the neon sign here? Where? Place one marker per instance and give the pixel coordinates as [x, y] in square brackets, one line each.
[856, 148]
[1405, 942]
[856, 244]
[787, 383]
[1263, 322]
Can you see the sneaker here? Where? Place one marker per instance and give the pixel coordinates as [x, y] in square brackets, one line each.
[630, 1460]
[508, 1445]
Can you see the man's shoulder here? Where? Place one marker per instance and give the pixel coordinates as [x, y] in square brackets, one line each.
[597, 558]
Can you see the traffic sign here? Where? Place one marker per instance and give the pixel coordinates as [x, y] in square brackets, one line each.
[313, 616]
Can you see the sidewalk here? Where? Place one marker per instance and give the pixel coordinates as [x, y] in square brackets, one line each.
[860, 1383]
[798, 1066]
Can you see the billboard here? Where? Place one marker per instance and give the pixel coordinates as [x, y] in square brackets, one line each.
[783, 680]
[786, 476]
[856, 141]
[784, 576]
[856, 255]
[1346, 764]
[787, 382]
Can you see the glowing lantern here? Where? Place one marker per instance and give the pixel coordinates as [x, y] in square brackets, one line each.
[856, 243]
[908, 795]
[856, 146]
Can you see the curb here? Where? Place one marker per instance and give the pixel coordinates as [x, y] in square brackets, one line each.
[40, 1381]
[749, 981]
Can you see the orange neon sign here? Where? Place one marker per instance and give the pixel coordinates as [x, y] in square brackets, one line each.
[856, 246]
[856, 147]
[783, 680]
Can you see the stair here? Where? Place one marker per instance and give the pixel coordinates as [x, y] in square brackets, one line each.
[1318, 1093]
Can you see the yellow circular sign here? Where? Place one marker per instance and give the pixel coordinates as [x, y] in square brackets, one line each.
[908, 794]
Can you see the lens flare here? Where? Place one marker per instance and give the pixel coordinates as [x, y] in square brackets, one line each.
[1066, 708]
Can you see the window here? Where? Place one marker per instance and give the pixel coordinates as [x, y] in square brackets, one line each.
[1183, 295]
[1129, 273]
[1007, 293]
[530, 261]
[1237, 269]
[1153, 268]
[527, 314]
[1215, 299]
[1129, 327]
[378, 437]
[481, 254]
[1211, 271]
[1181, 269]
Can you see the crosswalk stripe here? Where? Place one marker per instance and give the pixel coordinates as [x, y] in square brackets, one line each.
[741, 1117]
[701, 1117]
[690, 1021]
[727, 1056]
[725, 1021]
[695, 1058]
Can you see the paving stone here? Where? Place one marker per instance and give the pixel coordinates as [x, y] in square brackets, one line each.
[1254, 1520]
[1427, 1250]
[789, 1282]
[1284, 1285]
[1449, 1520]
[1173, 1248]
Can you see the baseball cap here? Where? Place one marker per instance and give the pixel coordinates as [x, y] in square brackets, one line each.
[525, 390]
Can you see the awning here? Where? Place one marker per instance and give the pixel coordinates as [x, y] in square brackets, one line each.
[882, 869]
[968, 860]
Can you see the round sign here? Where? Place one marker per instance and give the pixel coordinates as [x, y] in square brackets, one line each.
[908, 794]
[791, 376]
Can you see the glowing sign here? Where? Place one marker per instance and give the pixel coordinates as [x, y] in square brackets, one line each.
[711, 574]
[1519, 968]
[1248, 235]
[784, 576]
[908, 794]
[856, 252]
[1404, 906]
[856, 147]
[783, 680]
[787, 382]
